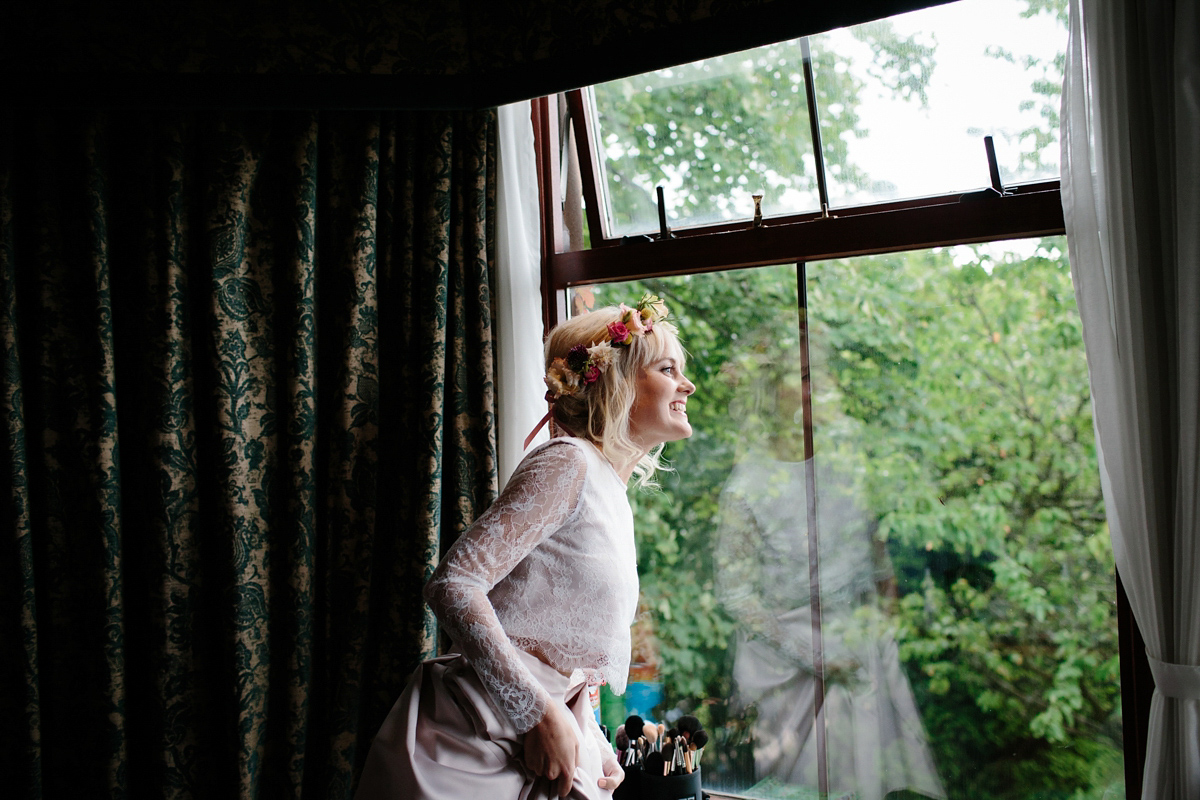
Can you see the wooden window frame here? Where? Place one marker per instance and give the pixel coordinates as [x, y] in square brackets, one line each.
[1023, 211]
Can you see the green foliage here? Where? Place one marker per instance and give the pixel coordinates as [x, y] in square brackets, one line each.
[1046, 80]
[715, 131]
[902, 63]
[982, 471]
[965, 372]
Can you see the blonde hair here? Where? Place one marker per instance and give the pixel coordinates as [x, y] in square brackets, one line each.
[600, 413]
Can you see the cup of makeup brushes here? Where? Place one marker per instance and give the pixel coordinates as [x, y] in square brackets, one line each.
[641, 785]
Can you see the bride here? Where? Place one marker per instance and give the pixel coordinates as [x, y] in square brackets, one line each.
[539, 594]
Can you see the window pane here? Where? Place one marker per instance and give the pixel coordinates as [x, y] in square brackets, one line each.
[712, 133]
[966, 591]
[951, 414]
[926, 87]
[685, 629]
[904, 104]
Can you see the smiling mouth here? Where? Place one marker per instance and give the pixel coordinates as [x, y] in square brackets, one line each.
[680, 407]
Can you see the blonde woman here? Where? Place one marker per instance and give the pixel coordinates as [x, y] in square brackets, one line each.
[539, 594]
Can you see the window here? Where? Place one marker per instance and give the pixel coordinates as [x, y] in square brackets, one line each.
[928, 84]
[881, 564]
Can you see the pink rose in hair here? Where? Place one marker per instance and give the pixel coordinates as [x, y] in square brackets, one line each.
[592, 374]
[619, 333]
[632, 320]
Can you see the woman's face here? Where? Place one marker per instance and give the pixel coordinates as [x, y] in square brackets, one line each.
[660, 408]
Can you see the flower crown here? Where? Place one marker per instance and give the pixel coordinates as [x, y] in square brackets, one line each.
[584, 364]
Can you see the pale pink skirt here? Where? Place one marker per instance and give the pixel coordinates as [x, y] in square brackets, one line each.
[445, 739]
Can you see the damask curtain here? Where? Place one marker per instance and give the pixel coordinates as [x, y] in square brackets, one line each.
[247, 398]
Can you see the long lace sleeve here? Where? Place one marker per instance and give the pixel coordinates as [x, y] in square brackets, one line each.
[541, 495]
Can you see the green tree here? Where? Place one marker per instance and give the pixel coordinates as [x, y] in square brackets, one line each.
[973, 386]
[717, 130]
[966, 376]
[1038, 142]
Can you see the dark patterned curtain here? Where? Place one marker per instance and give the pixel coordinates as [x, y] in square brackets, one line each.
[247, 397]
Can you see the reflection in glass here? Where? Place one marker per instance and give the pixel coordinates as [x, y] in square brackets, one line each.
[874, 740]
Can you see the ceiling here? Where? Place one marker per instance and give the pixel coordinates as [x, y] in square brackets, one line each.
[374, 53]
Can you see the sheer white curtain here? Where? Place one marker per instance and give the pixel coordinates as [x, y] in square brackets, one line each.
[520, 391]
[1131, 198]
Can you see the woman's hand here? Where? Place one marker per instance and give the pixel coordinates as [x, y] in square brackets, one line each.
[552, 750]
[613, 774]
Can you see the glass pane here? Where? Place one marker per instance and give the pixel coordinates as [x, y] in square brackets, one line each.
[967, 583]
[711, 133]
[687, 627]
[904, 104]
[967, 600]
[926, 87]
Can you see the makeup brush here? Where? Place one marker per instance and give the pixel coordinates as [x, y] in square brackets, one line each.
[655, 764]
[631, 755]
[677, 756]
[688, 725]
[651, 732]
[662, 732]
[633, 726]
[699, 739]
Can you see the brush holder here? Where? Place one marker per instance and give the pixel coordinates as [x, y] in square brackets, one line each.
[639, 785]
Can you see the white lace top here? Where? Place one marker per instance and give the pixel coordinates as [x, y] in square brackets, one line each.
[549, 568]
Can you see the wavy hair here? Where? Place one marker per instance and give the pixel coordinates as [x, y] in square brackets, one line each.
[600, 413]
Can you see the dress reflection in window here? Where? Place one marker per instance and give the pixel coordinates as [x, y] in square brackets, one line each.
[876, 743]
